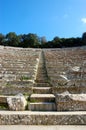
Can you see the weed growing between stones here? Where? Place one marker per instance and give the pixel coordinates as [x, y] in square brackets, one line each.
[8, 85]
[4, 107]
[22, 78]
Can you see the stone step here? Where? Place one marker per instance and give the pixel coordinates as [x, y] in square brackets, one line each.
[42, 98]
[42, 71]
[3, 99]
[41, 76]
[42, 90]
[41, 85]
[42, 106]
[41, 81]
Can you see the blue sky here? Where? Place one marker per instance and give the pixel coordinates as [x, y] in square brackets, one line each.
[50, 18]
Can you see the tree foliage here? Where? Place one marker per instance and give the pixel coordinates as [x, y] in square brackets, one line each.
[84, 38]
[2, 37]
[34, 41]
[12, 39]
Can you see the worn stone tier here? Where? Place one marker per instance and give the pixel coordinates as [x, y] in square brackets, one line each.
[71, 102]
[18, 68]
[42, 118]
[66, 69]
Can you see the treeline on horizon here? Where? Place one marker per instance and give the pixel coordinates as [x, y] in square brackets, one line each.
[33, 41]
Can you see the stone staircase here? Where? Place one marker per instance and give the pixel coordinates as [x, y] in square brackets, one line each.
[42, 98]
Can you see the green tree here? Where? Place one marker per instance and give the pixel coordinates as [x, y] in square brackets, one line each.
[57, 42]
[30, 40]
[84, 38]
[2, 37]
[12, 39]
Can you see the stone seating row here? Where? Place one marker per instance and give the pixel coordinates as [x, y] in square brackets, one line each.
[17, 65]
[66, 67]
[63, 102]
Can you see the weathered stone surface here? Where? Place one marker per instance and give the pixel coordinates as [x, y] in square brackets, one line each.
[62, 80]
[15, 87]
[17, 103]
[3, 99]
[66, 67]
[42, 118]
[18, 68]
[71, 89]
[42, 90]
[42, 98]
[16, 90]
[71, 102]
[42, 106]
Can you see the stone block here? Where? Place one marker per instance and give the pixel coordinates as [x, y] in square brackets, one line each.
[17, 103]
[71, 102]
